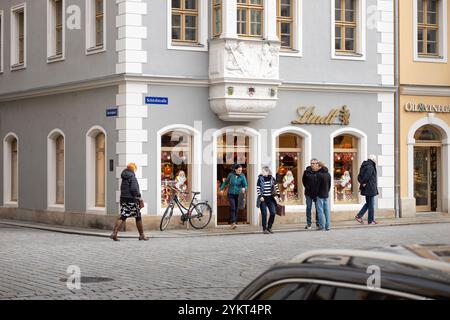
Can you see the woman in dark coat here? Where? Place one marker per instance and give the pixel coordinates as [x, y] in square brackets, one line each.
[131, 202]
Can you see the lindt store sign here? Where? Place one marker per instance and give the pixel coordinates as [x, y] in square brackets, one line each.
[430, 108]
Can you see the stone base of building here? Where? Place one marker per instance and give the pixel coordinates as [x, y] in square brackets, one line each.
[408, 207]
[153, 223]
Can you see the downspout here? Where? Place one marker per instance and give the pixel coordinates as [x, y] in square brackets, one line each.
[397, 108]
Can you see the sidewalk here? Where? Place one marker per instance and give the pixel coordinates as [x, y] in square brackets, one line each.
[429, 218]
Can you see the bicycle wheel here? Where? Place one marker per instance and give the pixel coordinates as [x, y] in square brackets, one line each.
[201, 215]
[166, 218]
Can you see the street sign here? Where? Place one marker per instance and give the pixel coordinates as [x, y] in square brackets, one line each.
[113, 112]
[157, 100]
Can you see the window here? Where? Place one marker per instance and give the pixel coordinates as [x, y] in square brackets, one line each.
[100, 158]
[428, 27]
[285, 291]
[96, 178]
[18, 37]
[55, 30]
[250, 18]
[345, 29]
[323, 292]
[185, 21]
[176, 165]
[96, 26]
[430, 30]
[217, 18]
[427, 133]
[285, 23]
[345, 169]
[56, 170]
[1, 40]
[11, 170]
[290, 168]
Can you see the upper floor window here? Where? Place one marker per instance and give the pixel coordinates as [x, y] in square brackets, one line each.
[250, 18]
[96, 25]
[18, 37]
[428, 27]
[1, 41]
[185, 21]
[55, 29]
[217, 18]
[345, 26]
[348, 29]
[430, 30]
[285, 23]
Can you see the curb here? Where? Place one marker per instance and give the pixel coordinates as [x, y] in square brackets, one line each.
[204, 234]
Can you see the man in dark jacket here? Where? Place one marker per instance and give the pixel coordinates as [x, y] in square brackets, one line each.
[310, 183]
[323, 193]
[369, 188]
[130, 202]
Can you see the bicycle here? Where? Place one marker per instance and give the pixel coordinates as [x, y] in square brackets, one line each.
[202, 211]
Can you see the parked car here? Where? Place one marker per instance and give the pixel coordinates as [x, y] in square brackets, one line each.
[415, 272]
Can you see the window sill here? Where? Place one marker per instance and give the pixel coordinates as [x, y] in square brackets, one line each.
[95, 50]
[18, 66]
[291, 53]
[56, 207]
[354, 57]
[11, 204]
[431, 59]
[57, 58]
[187, 46]
[96, 210]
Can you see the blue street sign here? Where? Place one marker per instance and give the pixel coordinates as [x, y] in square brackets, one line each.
[157, 100]
[113, 112]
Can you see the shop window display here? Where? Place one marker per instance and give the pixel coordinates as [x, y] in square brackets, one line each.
[289, 168]
[345, 169]
[176, 166]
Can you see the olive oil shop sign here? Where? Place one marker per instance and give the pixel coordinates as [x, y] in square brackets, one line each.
[337, 116]
[430, 108]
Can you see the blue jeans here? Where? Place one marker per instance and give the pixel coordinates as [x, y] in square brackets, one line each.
[368, 206]
[234, 200]
[324, 213]
[269, 202]
[309, 204]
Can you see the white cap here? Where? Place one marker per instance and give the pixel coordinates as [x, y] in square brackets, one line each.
[373, 158]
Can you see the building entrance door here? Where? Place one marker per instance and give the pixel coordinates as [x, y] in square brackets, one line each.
[426, 178]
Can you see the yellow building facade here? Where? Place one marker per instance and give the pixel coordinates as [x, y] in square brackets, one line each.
[424, 110]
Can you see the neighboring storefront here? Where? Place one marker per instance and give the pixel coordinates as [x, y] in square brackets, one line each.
[425, 128]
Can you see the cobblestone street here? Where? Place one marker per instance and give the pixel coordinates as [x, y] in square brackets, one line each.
[33, 263]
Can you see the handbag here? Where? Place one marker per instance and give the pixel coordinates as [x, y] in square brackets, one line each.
[281, 210]
[241, 201]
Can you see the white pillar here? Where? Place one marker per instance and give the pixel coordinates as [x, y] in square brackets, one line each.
[271, 20]
[446, 176]
[229, 19]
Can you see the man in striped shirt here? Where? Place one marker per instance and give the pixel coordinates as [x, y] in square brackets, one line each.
[267, 190]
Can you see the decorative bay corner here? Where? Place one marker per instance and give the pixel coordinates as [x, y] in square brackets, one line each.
[244, 78]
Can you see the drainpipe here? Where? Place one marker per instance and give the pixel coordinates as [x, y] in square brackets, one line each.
[397, 107]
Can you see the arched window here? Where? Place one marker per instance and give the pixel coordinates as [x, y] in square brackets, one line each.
[176, 165]
[11, 169]
[100, 157]
[289, 159]
[14, 171]
[59, 170]
[346, 169]
[427, 133]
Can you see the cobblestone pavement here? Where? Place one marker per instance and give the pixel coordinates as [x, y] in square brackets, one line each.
[33, 263]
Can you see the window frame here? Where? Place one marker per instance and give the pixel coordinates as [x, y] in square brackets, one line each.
[442, 56]
[251, 7]
[52, 53]
[2, 40]
[91, 171]
[52, 170]
[355, 167]
[359, 53]
[289, 20]
[425, 26]
[7, 174]
[215, 6]
[91, 30]
[297, 49]
[16, 64]
[202, 29]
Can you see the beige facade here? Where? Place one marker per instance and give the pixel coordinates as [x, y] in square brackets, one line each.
[424, 106]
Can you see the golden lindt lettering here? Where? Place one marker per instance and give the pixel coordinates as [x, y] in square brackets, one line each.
[307, 115]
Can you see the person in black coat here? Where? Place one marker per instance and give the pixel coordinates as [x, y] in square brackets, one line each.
[369, 188]
[323, 193]
[131, 202]
[310, 183]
